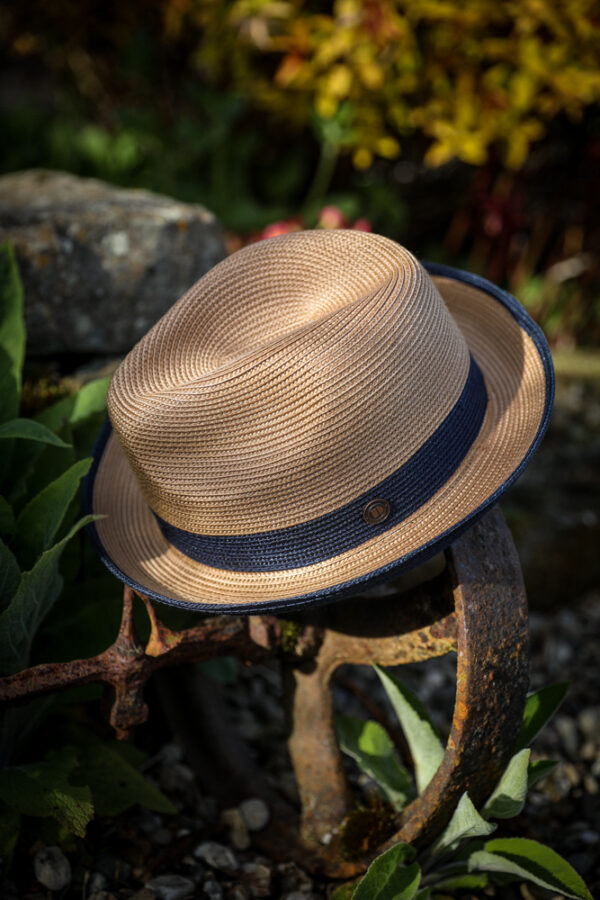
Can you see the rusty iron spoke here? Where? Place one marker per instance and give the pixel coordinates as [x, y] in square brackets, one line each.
[476, 607]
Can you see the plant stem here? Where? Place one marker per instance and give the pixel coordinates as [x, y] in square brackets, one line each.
[323, 175]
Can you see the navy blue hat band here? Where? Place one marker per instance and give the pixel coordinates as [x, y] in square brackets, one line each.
[401, 494]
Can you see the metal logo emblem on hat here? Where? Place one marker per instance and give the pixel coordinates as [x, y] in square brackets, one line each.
[318, 411]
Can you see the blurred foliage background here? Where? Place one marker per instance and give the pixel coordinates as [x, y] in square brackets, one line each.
[468, 131]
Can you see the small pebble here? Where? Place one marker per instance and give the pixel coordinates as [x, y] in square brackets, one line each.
[149, 822]
[238, 833]
[588, 721]
[217, 856]
[590, 784]
[237, 892]
[255, 813]
[177, 778]
[96, 882]
[294, 879]
[52, 868]
[568, 733]
[257, 878]
[572, 774]
[171, 887]
[114, 869]
[212, 889]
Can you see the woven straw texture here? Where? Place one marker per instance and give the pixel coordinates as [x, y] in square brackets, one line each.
[294, 376]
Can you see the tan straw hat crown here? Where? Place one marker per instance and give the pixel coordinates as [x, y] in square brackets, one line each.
[316, 411]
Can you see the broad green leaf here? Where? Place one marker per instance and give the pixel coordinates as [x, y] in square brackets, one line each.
[425, 746]
[45, 789]
[532, 861]
[7, 517]
[116, 785]
[37, 591]
[423, 894]
[10, 575]
[467, 882]
[12, 334]
[10, 825]
[538, 770]
[465, 823]
[372, 748]
[539, 708]
[508, 797]
[344, 891]
[90, 399]
[29, 431]
[40, 520]
[389, 878]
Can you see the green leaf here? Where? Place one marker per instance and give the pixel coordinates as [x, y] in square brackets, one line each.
[344, 891]
[30, 431]
[10, 825]
[37, 591]
[10, 575]
[116, 785]
[532, 861]
[40, 520]
[372, 748]
[12, 334]
[538, 770]
[473, 882]
[45, 789]
[7, 517]
[465, 823]
[423, 894]
[539, 709]
[425, 746]
[508, 797]
[90, 399]
[388, 878]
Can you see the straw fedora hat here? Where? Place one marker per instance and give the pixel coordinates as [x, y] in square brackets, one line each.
[320, 410]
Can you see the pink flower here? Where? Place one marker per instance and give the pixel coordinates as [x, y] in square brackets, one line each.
[331, 217]
[362, 225]
[277, 228]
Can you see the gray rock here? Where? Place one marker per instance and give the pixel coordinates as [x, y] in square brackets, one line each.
[212, 889]
[294, 879]
[171, 887]
[96, 882]
[177, 778]
[100, 264]
[255, 813]
[217, 856]
[589, 721]
[52, 868]
[257, 878]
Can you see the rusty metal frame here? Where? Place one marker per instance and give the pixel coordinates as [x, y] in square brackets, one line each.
[478, 609]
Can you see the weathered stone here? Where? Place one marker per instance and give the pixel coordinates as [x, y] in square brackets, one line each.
[255, 813]
[52, 868]
[100, 264]
[238, 832]
[217, 856]
[171, 887]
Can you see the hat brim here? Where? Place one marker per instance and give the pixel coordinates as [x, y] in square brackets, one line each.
[514, 358]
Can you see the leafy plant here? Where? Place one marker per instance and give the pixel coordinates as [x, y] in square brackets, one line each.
[40, 475]
[461, 858]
